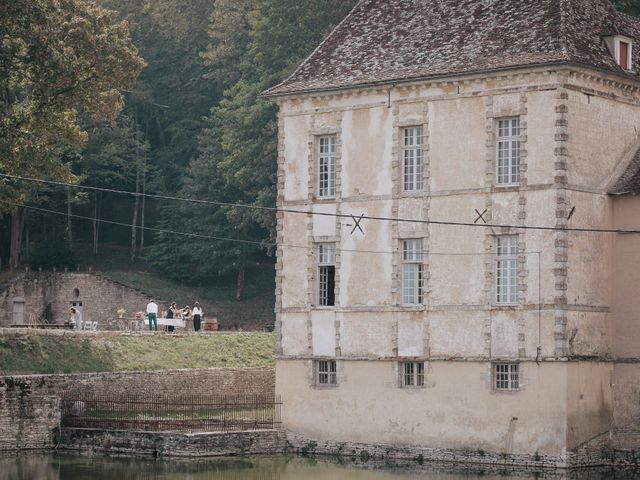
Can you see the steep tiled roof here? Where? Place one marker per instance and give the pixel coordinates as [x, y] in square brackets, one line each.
[384, 41]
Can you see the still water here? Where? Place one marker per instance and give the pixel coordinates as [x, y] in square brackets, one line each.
[48, 467]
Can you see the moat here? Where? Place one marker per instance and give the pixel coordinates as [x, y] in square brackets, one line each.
[64, 467]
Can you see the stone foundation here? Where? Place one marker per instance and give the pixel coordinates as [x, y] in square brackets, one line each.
[596, 454]
[166, 444]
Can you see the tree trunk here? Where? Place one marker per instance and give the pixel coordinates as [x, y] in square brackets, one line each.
[69, 224]
[96, 223]
[240, 282]
[17, 226]
[144, 189]
[134, 222]
[27, 243]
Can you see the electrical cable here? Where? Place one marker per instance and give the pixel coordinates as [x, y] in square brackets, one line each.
[235, 240]
[328, 214]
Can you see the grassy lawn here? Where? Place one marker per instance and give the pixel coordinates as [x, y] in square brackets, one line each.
[42, 354]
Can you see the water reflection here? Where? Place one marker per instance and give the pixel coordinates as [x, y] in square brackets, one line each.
[47, 467]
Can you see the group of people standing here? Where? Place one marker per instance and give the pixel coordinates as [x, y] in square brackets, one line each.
[187, 313]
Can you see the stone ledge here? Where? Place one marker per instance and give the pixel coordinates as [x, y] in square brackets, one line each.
[594, 455]
[167, 444]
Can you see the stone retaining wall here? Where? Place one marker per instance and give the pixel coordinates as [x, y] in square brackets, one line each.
[257, 442]
[594, 455]
[30, 405]
[28, 416]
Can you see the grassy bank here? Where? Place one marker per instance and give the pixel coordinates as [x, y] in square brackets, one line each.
[44, 354]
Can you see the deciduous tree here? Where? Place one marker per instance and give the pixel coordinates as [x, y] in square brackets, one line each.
[59, 58]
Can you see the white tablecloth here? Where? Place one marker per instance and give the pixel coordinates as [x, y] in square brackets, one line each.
[174, 322]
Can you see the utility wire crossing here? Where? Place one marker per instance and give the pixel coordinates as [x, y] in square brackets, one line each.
[233, 240]
[325, 214]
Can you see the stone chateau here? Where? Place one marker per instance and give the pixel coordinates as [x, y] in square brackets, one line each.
[514, 337]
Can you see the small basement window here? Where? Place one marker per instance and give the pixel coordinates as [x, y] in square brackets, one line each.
[326, 373]
[412, 374]
[506, 376]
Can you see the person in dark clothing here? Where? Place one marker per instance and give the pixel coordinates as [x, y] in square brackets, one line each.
[171, 314]
[197, 316]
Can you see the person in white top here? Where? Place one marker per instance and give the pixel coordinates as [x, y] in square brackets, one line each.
[152, 314]
[197, 316]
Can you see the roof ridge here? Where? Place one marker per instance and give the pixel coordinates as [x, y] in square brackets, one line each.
[266, 93]
[383, 41]
[564, 48]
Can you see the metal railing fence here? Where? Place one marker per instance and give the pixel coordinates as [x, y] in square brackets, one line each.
[165, 413]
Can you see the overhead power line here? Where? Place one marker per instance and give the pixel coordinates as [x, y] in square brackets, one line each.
[233, 240]
[326, 214]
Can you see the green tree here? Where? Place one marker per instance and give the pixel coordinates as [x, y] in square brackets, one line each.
[632, 7]
[237, 159]
[59, 58]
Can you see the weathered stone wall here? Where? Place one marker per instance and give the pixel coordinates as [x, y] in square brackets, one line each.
[258, 442]
[597, 453]
[28, 415]
[566, 310]
[30, 406]
[101, 298]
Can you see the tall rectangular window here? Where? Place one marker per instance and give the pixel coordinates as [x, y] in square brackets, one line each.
[327, 166]
[506, 376]
[326, 274]
[508, 144]
[412, 374]
[412, 152]
[412, 272]
[507, 269]
[326, 372]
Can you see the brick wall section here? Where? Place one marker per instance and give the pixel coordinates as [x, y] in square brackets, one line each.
[258, 442]
[29, 405]
[101, 298]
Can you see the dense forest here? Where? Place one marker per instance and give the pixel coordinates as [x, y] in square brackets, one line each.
[153, 97]
[156, 97]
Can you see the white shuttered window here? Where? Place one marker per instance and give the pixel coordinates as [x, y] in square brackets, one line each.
[327, 166]
[412, 152]
[508, 145]
[507, 269]
[412, 272]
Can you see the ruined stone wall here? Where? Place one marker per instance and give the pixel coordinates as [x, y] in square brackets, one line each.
[101, 298]
[30, 404]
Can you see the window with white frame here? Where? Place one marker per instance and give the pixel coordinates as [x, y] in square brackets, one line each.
[412, 152]
[326, 274]
[506, 376]
[622, 49]
[508, 151]
[327, 166]
[412, 272]
[507, 269]
[412, 374]
[326, 372]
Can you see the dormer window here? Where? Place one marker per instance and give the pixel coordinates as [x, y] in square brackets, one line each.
[621, 48]
[624, 54]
